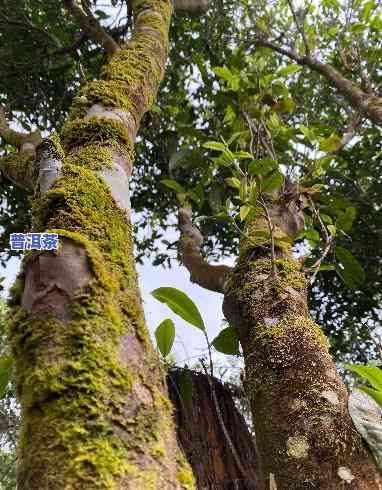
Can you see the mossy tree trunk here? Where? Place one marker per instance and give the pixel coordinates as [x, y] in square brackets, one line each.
[92, 393]
[305, 436]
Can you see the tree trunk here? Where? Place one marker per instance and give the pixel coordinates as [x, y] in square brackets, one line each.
[214, 435]
[92, 393]
[305, 436]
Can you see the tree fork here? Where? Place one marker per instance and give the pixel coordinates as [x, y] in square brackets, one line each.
[92, 393]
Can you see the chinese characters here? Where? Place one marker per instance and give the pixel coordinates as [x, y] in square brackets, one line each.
[33, 241]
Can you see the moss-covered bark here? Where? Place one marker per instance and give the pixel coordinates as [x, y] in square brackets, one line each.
[305, 436]
[92, 393]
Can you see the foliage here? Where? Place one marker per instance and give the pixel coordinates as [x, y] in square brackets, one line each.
[371, 374]
[181, 304]
[165, 335]
[215, 75]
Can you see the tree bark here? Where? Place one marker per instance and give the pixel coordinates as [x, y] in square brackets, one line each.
[93, 399]
[305, 436]
[219, 447]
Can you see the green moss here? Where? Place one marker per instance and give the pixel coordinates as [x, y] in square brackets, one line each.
[93, 156]
[102, 130]
[84, 423]
[78, 379]
[132, 77]
[186, 478]
[289, 326]
[56, 141]
[158, 451]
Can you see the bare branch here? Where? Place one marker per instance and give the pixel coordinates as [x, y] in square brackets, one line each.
[212, 277]
[9, 135]
[91, 26]
[349, 133]
[25, 142]
[300, 26]
[18, 167]
[271, 234]
[290, 53]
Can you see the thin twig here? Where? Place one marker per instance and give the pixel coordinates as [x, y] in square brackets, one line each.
[222, 424]
[300, 26]
[249, 122]
[91, 26]
[271, 229]
[328, 241]
[316, 266]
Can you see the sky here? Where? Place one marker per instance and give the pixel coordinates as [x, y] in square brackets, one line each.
[189, 342]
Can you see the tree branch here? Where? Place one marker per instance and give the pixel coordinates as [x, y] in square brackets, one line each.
[212, 277]
[366, 102]
[91, 26]
[299, 26]
[18, 167]
[349, 133]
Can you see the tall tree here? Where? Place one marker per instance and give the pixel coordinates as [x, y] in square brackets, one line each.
[94, 410]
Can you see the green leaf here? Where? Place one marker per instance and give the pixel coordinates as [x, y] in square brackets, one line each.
[101, 14]
[244, 210]
[173, 184]
[273, 182]
[332, 230]
[289, 70]
[184, 159]
[372, 374]
[322, 165]
[181, 304]
[156, 109]
[233, 182]
[327, 267]
[227, 342]
[229, 115]
[369, 6]
[286, 105]
[215, 145]
[243, 154]
[234, 83]
[223, 72]
[352, 272]
[326, 219]
[330, 143]
[311, 235]
[165, 335]
[243, 191]
[185, 386]
[307, 133]
[6, 364]
[261, 167]
[345, 219]
[377, 395]
[236, 135]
